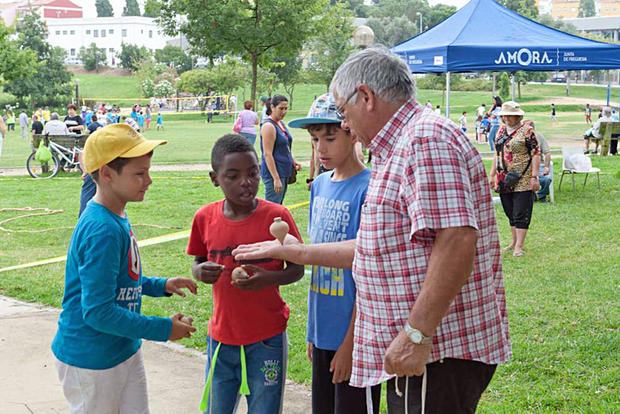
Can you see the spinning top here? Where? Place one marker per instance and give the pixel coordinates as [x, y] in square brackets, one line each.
[239, 273]
[188, 320]
[279, 229]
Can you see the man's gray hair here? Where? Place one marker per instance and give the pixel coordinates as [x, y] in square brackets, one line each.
[386, 74]
[607, 111]
[54, 115]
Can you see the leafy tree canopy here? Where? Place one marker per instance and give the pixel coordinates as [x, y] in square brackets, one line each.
[93, 57]
[152, 8]
[587, 8]
[331, 47]
[132, 56]
[527, 8]
[104, 8]
[174, 56]
[256, 31]
[131, 8]
[45, 80]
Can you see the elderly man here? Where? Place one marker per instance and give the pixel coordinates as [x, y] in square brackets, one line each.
[55, 126]
[426, 262]
[595, 134]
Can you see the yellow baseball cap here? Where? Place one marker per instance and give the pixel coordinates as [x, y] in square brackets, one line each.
[113, 141]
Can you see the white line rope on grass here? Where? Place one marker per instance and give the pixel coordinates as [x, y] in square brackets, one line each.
[47, 212]
[148, 242]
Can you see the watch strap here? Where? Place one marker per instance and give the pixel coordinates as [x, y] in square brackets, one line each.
[412, 333]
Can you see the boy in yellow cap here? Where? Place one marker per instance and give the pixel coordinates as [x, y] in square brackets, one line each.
[97, 345]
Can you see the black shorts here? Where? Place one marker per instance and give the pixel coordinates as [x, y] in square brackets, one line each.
[518, 208]
[328, 398]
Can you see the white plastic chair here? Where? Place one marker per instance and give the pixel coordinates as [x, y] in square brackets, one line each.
[575, 162]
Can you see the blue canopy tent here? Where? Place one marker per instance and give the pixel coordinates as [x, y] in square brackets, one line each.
[486, 36]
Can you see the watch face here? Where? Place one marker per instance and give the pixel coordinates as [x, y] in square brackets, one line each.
[416, 336]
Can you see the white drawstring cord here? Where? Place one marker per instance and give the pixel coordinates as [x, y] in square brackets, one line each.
[369, 408]
[400, 394]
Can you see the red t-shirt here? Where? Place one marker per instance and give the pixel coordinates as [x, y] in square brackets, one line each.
[240, 317]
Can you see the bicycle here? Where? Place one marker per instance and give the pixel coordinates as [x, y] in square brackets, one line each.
[51, 168]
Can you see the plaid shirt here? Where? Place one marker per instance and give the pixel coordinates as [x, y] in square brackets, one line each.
[426, 176]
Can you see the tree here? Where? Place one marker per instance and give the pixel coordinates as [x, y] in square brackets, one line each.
[152, 8]
[45, 79]
[174, 56]
[525, 8]
[93, 57]
[15, 63]
[438, 14]
[256, 31]
[504, 86]
[132, 56]
[104, 8]
[131, 8]
[289, 74]
[331, 47]
[392, 30]
[587, 8]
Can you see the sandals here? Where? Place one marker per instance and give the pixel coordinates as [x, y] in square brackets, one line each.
[507, 249]
[519, 253]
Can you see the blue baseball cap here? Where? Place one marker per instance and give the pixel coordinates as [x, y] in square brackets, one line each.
[322, 111]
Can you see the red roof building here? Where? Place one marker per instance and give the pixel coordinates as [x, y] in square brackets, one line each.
[53, 9]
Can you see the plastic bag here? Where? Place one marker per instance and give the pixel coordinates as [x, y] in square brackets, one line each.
[238, 125]
[43, 154]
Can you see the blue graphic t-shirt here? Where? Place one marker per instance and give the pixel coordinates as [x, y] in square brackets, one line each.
[335, 208]
[100, 325]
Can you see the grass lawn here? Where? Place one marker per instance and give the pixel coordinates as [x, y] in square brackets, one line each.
[562, 299]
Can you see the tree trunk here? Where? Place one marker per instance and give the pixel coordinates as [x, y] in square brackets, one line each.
[254, 58]
[519, 89]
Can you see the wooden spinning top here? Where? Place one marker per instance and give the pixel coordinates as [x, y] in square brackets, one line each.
[279, 229]
[239, 273]
[188, 320]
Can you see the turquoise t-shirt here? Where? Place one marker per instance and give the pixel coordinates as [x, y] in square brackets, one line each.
[100, 325]
[335, 208]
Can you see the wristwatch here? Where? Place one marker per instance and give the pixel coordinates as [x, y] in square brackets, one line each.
[416, 336]
[309, 180]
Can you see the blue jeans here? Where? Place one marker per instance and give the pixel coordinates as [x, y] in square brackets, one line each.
[250, 137]
[492, 133]
[545, 183]
[266, 372]
[270, 193]
[89, 188]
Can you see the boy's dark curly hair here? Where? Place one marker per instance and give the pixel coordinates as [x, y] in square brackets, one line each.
[228, 144]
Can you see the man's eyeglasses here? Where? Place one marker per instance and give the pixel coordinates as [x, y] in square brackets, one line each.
[340, 111]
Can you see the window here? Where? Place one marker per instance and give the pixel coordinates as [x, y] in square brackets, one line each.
[124, 33]
[72, 32]
[88, 31]
[102, 32]
[72, 52]
[111, 50]
[150, 33]
[96, 33]
[57, 32]
[64, 32]
[111, 31]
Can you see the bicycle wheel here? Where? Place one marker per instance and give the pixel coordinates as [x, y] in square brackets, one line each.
[37, 169]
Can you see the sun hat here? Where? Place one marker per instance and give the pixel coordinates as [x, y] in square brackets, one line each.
[322, 111]
[511, 108]
[113, 141]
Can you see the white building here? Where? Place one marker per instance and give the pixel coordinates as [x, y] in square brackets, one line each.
[108, 33]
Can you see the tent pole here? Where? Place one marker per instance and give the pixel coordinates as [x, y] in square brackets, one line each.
[608, 86]
[447, 111]
[512, 84]
[493, 75]
[619, 91]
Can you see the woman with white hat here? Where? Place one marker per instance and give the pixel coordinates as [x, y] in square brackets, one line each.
[514, 172]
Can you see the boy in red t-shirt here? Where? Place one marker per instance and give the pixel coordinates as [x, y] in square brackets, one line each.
[247, 332]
